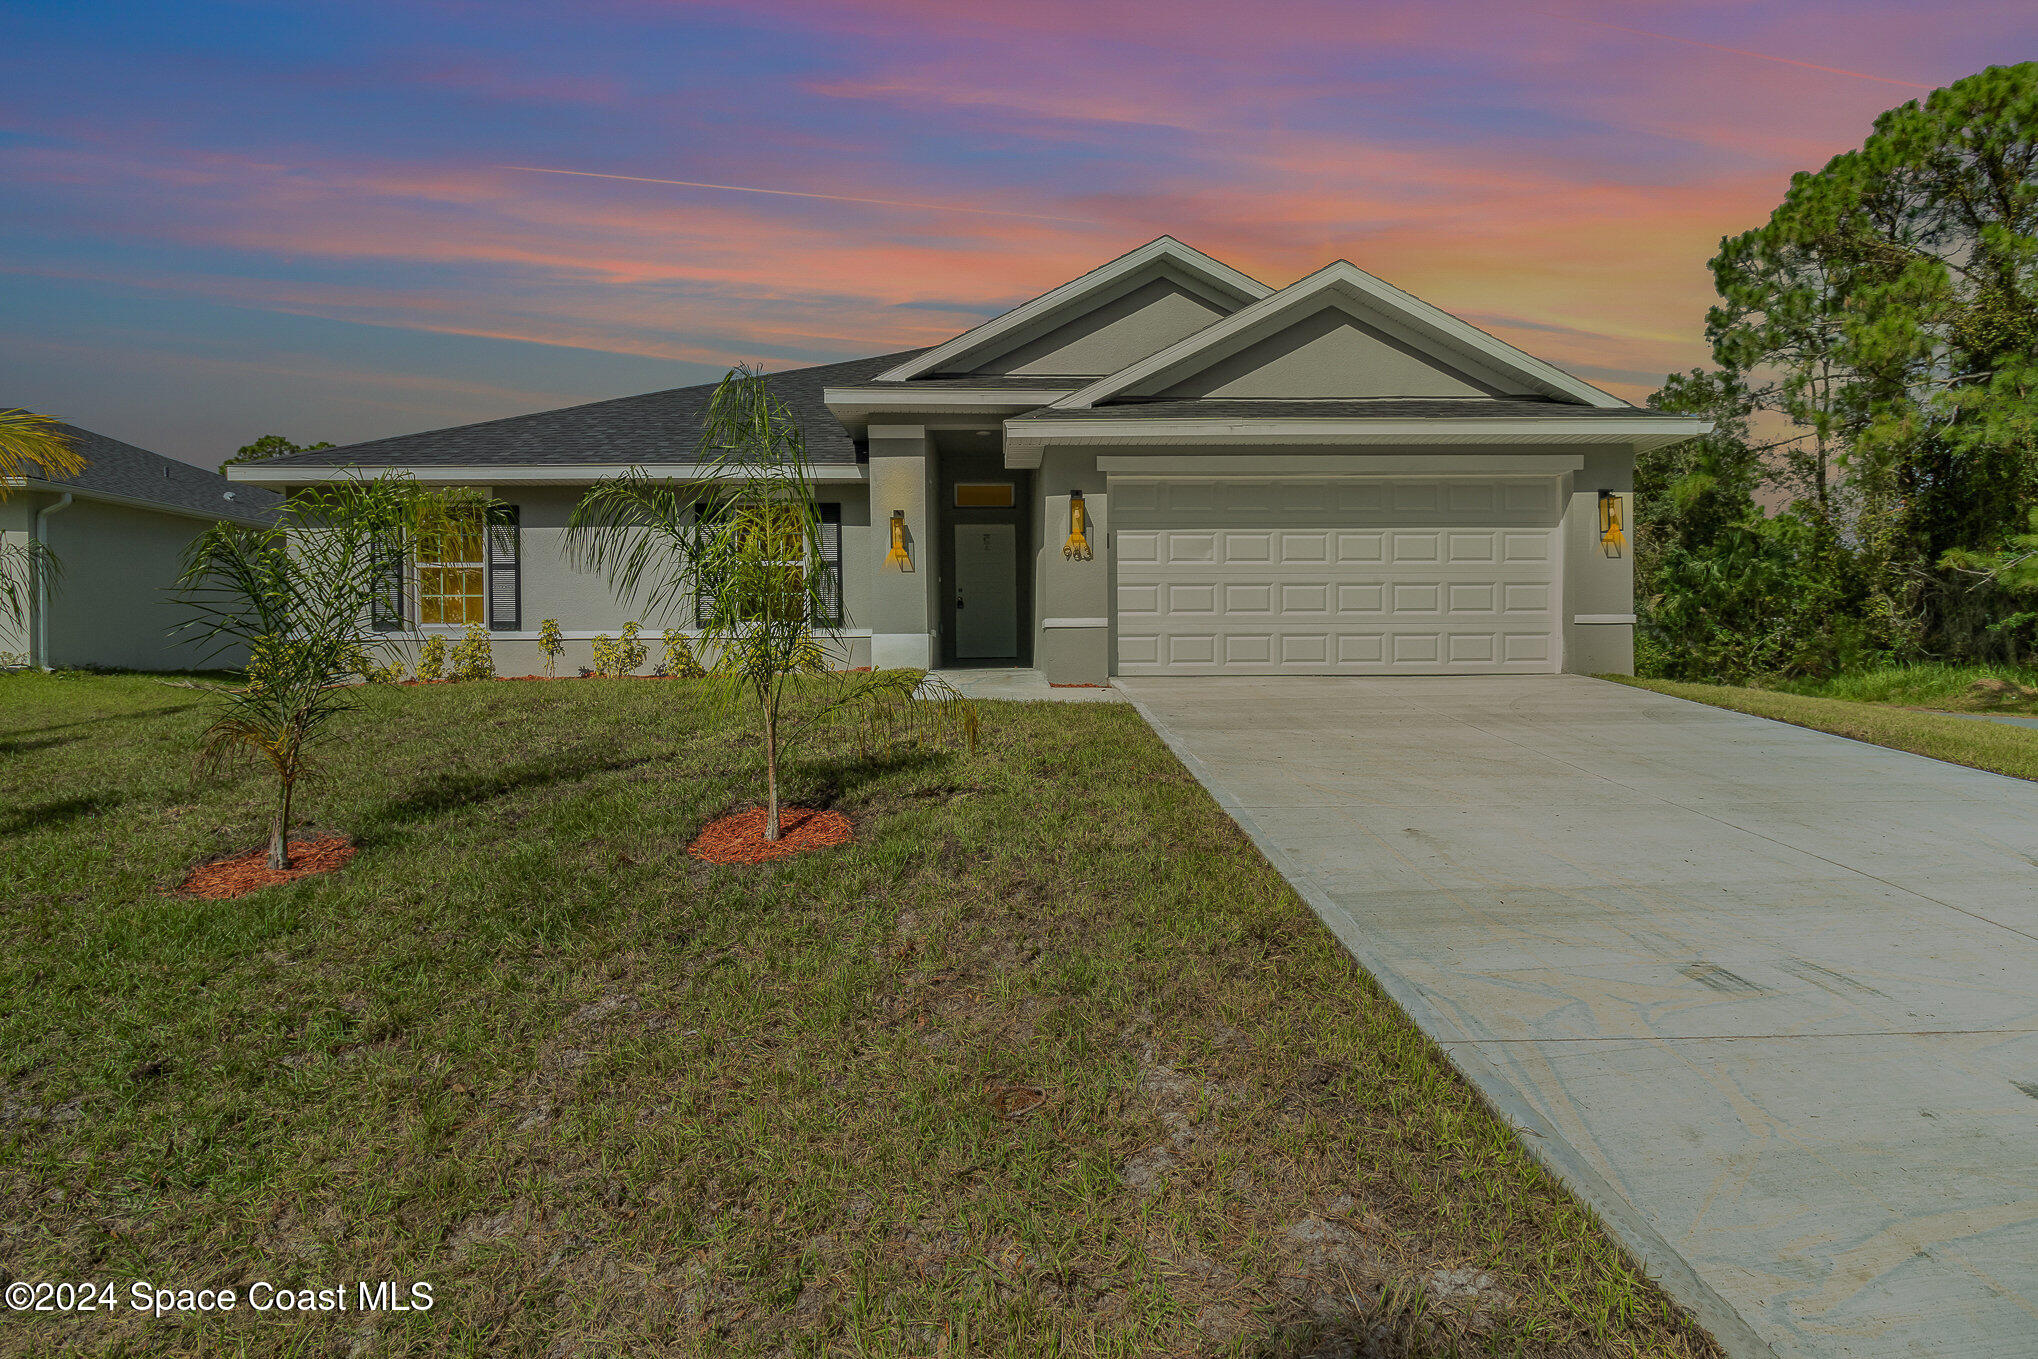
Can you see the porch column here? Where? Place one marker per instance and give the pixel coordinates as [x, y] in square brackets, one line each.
[1072, 640]
[902, 611]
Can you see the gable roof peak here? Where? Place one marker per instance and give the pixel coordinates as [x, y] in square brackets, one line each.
[1431, 325]
[1212, 273]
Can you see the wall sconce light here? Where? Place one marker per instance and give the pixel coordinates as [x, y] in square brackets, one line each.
[896, 559]
[1611, 540]
[1077, 548]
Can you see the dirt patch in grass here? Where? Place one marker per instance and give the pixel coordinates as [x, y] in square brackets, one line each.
[1995, 692]
[738, 838]
[239, 874]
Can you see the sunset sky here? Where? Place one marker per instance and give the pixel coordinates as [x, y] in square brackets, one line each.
[225, 220]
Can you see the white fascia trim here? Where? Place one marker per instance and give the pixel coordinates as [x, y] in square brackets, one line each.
[1160, 248]
[1075, 622]
[510, 474]
[129, 501]
[1603, 618]
[1161, 466]
[1345, 274]
[1345, 430]
[935, 397]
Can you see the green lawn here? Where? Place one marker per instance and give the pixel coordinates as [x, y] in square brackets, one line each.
[611, 1101]
[1953, 688]
[2001, 747]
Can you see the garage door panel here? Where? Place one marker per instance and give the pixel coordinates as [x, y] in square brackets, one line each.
[1255, 597]
[1471, 598]
[1248, 648]
[1305, 597]
[1411, 597]
[1374, 576]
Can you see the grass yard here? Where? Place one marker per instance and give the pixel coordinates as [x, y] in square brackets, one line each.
[2000, 747]
[608, 1100]
[1952, 688]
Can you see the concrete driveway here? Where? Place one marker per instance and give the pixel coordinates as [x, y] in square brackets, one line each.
[1767, 998]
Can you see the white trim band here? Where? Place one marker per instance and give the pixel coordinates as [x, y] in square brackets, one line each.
[1603, 618]
[512, 474]
[646, 635]
[1075, 622]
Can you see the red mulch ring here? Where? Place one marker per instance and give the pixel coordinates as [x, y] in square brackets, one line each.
[240, 874]
[1079, 686]
[738, 838]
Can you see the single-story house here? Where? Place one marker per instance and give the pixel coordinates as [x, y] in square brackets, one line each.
[1163, 467]
[118, 530]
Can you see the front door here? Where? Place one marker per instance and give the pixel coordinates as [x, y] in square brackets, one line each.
[986, 592]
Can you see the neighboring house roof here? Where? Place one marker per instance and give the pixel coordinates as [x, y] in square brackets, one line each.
[126, 474]
[652, 429]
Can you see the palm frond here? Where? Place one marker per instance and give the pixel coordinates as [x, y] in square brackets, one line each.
[889, 704]
[34, 445]
[22, 564]
[639, 533]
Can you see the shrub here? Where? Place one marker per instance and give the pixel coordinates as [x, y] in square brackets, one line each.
[360, 660]
[552, 643]
[474, 658]
[630, 652]
[605, 660]
[432, 658]
[679, 660]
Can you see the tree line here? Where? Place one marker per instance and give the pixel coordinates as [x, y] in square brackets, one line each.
[1868, 494]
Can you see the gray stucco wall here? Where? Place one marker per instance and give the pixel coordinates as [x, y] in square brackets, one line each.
[1328, 354]
[898, 606]
[14, 519]
[582, 601]
[1151, 316]
[1072, 595]
[113, 605]
[1596, 585]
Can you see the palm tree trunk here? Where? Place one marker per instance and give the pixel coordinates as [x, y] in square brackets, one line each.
[279, 830]
[771, 772]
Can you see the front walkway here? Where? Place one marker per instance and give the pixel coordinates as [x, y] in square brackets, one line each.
[1025, 686]
[1767, 998]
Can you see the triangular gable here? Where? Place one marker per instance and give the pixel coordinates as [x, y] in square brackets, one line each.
[1338, 333]
[1140, 302]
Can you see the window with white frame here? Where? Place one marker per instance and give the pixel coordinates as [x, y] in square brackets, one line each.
[452, 569]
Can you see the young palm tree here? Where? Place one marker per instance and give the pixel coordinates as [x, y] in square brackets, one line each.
[295, 594]
[30, 445]
[744, 545]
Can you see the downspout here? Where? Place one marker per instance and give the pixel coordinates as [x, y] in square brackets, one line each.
[42, 578]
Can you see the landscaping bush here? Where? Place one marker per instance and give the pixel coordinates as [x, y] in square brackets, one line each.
[432, 659]
[679, 661]
[552, 643]
[473, 657]
[631, 652]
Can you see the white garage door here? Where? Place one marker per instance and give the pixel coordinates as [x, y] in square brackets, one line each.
[1372, 576]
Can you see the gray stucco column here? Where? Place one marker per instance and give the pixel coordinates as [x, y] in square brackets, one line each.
[1072, 636]
[1599, 591]
[902, 609]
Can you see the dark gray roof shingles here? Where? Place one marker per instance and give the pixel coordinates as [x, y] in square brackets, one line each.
[114, 468]
[657, 427]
